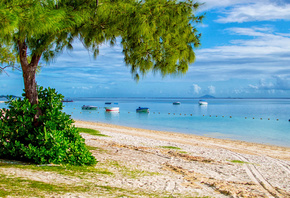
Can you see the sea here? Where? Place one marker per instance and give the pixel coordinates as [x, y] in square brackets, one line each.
[253, 120]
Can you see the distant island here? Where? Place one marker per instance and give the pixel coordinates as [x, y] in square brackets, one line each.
[207, 96]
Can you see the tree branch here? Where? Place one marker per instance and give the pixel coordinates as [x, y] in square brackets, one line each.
[2, 69]
[35, 59]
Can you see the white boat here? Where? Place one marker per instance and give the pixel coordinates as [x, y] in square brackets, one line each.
[89, 107]
[202, 102]
[112, 108]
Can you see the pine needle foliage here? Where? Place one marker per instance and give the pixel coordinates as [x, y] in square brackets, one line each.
[156, 35]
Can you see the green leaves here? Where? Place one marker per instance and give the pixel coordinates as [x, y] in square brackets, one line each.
[156, 35]
[160, 36]
[54, 140]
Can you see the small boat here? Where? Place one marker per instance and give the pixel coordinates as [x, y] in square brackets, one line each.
[176, 103]
[67, 100]
[108, 103]
[142, 109]
[202, 102]
[112, 108]
[89, 107]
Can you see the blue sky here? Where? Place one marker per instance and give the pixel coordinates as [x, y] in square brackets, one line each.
[245, 52]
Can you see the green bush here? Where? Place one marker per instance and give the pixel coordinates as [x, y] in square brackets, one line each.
[52, 139]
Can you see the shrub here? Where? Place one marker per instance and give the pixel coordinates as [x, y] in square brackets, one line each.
[53, 140]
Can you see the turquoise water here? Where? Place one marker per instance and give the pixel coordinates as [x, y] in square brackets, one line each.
[251, 120]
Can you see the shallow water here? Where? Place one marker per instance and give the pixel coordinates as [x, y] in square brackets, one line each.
[253, 120]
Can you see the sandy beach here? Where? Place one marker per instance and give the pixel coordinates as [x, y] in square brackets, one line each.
[189, 165]
[145, 163]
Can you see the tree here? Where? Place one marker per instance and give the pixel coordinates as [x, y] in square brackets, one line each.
[157, 35]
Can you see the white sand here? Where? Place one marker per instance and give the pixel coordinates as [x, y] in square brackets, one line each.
[203, 166]
[142, 165]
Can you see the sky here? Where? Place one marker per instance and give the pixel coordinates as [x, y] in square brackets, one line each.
[244, 52]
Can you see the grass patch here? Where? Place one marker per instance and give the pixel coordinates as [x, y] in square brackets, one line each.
[22, 187]
[238, 161]
[131, 173]
[170, 147]
[14, 186]
[93, 148]
[68, 170]
[91, 132]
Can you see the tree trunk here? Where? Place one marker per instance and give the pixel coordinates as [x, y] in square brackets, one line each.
[29, 71]
[30, 85]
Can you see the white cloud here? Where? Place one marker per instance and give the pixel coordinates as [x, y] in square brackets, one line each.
[211, 89]
[264, 52]
[272, 84]
[258, 11]
[196, 88]
[213, 4]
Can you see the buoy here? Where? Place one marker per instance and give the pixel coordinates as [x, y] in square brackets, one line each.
[223, 116]
[230, 116]
[202, 115]
[173, 113]
[261, 119]
[190, 114]
[268, 118]
[253, 118]
[245, 117]
[209, 115]
[185, 114]
[277, 119]
[168, 113]
[216, 116]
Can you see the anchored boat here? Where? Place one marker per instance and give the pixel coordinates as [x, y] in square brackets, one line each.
[142, 109]
[67, 100]
[202, 102]
[89, 107]
[112, 108]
